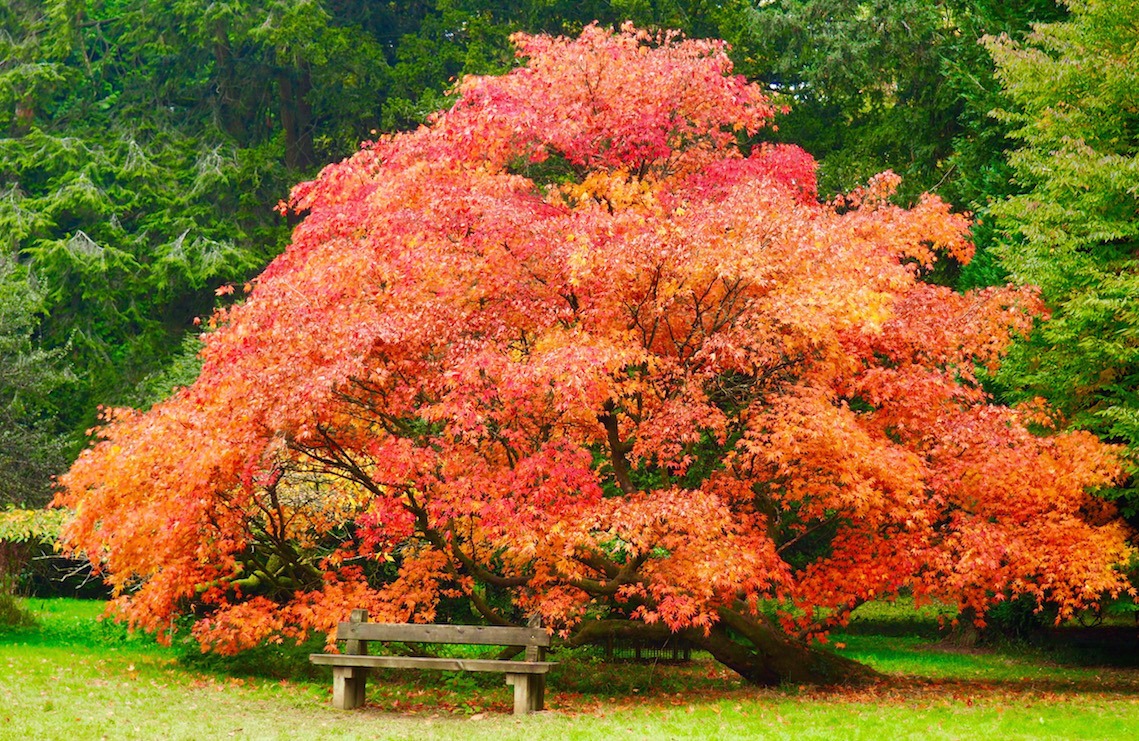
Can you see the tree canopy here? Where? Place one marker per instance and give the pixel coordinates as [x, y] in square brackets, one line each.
[571, 351]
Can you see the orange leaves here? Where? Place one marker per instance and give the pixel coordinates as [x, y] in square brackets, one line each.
[935, 326]
[236, 627]
[1056, 558]
[920, 232]
[617, 190]
[864, 564]
[988, 464]
[853, 472]
[696, 553]
[667, 434]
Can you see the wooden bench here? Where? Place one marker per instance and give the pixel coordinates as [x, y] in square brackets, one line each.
[350, 669]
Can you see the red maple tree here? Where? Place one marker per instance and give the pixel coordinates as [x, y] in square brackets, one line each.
[572, 350]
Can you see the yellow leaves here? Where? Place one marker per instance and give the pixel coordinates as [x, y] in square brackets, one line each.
[31, 525]
[617, 190]
[874, 309]
[578, 264]
[315, 503]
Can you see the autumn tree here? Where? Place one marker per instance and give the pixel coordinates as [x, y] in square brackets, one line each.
[570, 351]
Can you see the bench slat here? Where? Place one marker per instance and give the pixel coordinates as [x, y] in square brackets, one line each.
[425, 662]
[483, 635]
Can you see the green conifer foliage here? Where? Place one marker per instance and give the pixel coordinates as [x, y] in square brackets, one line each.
[31, 448]
[1075, 229]
[143, 146]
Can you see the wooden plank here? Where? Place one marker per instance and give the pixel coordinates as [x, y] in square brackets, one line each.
[420, 662]
[537, 692]
[352, 686]
[529, 692]
[522, 698]
[481, 635]
[348, 687]
[357, 646]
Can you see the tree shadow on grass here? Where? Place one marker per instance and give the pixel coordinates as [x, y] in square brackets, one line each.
[1111, 683]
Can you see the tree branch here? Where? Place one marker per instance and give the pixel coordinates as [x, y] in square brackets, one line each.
[617, 449]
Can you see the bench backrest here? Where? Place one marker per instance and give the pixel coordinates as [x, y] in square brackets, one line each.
[484, 635]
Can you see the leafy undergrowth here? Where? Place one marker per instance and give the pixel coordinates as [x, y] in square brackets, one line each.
[12, 612]
[73, 676]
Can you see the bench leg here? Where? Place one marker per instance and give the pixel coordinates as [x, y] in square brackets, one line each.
[537, 692]
[529, 692]
[348, 684]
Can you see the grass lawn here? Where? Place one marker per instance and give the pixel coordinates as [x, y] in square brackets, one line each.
[74, 677]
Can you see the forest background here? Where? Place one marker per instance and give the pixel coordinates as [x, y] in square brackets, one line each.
[144, 145]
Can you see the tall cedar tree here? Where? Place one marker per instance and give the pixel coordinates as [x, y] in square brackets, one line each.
[569, 351]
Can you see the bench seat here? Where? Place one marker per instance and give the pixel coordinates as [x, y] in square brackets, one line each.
[427, 662]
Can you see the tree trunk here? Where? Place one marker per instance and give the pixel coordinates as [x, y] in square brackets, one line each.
[965, 634]
[761, 654]
[25, 116]
[227, 93]
[774, 657]
[296, 117]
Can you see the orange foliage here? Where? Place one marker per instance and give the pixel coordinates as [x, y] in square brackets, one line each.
[572, 342]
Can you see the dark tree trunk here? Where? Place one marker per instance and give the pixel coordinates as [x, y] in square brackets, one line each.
[227, 95]
[296, 117]
[758, 652]
[25, 116]
[773, 657]
[965, 634]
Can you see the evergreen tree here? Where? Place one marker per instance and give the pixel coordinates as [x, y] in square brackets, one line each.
[1074, 231]
[31, 448]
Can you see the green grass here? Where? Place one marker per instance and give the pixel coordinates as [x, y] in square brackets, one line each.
[74, 677]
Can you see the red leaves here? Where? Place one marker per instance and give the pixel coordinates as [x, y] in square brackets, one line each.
[608, 100]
